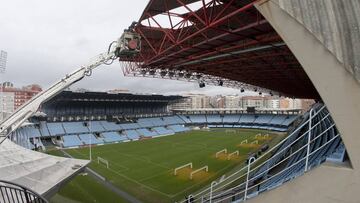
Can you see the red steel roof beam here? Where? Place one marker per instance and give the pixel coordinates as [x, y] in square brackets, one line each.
[212, 24]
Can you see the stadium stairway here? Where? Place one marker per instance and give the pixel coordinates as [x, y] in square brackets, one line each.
[314, 141]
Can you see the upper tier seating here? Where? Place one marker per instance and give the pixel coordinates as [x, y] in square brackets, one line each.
[247, 118]
[110, 126]
[128, 126]
[55, 129]
[96, 126]
[75, 127]
[171, 120]
[185, 118]
[263, 119]
[198, 118]
[231, 118]
[214, 119]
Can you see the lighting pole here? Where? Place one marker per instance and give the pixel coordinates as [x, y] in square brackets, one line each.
[90, 139]
[3, 58]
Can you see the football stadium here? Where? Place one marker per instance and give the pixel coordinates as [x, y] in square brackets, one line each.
[71, 146]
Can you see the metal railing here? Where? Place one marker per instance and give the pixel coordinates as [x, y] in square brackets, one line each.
[14, 193]
[246, 179]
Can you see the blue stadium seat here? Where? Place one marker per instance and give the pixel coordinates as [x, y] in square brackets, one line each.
[74, 127]
[147, 133]
[71, 141]
[213, 119]
[178, 128]
[132, 134]
[90, 139]
[55, 129]
[163, 131]
[113, 137]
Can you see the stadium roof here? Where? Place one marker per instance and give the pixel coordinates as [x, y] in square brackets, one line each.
[224, 38]
[111, 97]
[38, 171]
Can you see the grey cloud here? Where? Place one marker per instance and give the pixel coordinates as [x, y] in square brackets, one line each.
[47, 39]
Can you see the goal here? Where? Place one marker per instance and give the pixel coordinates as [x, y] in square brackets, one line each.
[230, 131]
[232, 154]
[103, 161]
[205, 168]
[183, 166]
[220, 152]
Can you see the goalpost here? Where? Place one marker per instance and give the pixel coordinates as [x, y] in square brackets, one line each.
[255, 142]
[258, 135]
[183, 166]
[232, 154]
[219, 152]
[244, 142]
[103, 161]
[206, 168]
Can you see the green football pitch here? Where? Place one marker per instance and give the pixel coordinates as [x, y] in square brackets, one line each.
[145, 168]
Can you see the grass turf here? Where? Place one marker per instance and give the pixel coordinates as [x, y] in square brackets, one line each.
[145, 168]
[85, 189]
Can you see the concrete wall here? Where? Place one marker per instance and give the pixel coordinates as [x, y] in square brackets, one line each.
[331, 62]
[335, 23]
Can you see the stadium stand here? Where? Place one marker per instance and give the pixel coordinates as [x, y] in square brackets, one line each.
[71, 141]
[128, 126]
[90, 139]
[112, 137]
[178, 128]
[109, 126]
[213, 119]
[230, 118]
[147, 133]
[289, 158]
[197, 118]
[96, 126]
[75, 127]
[132, 134]
[146, 127]
[44, 131]
[163, 131]
[55, 129]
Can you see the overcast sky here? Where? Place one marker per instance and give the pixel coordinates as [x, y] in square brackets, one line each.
[45, 39]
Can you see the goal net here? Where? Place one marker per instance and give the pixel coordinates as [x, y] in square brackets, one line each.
[103, 161]
[181, 167]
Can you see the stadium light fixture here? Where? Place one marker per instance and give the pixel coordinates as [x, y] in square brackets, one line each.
[221, 83]
[152, 72]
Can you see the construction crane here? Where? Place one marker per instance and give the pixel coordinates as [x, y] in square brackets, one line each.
[128, 44]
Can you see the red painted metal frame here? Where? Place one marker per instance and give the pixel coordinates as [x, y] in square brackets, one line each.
[216, 28]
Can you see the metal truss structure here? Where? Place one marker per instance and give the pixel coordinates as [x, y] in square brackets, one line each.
[226, 39]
